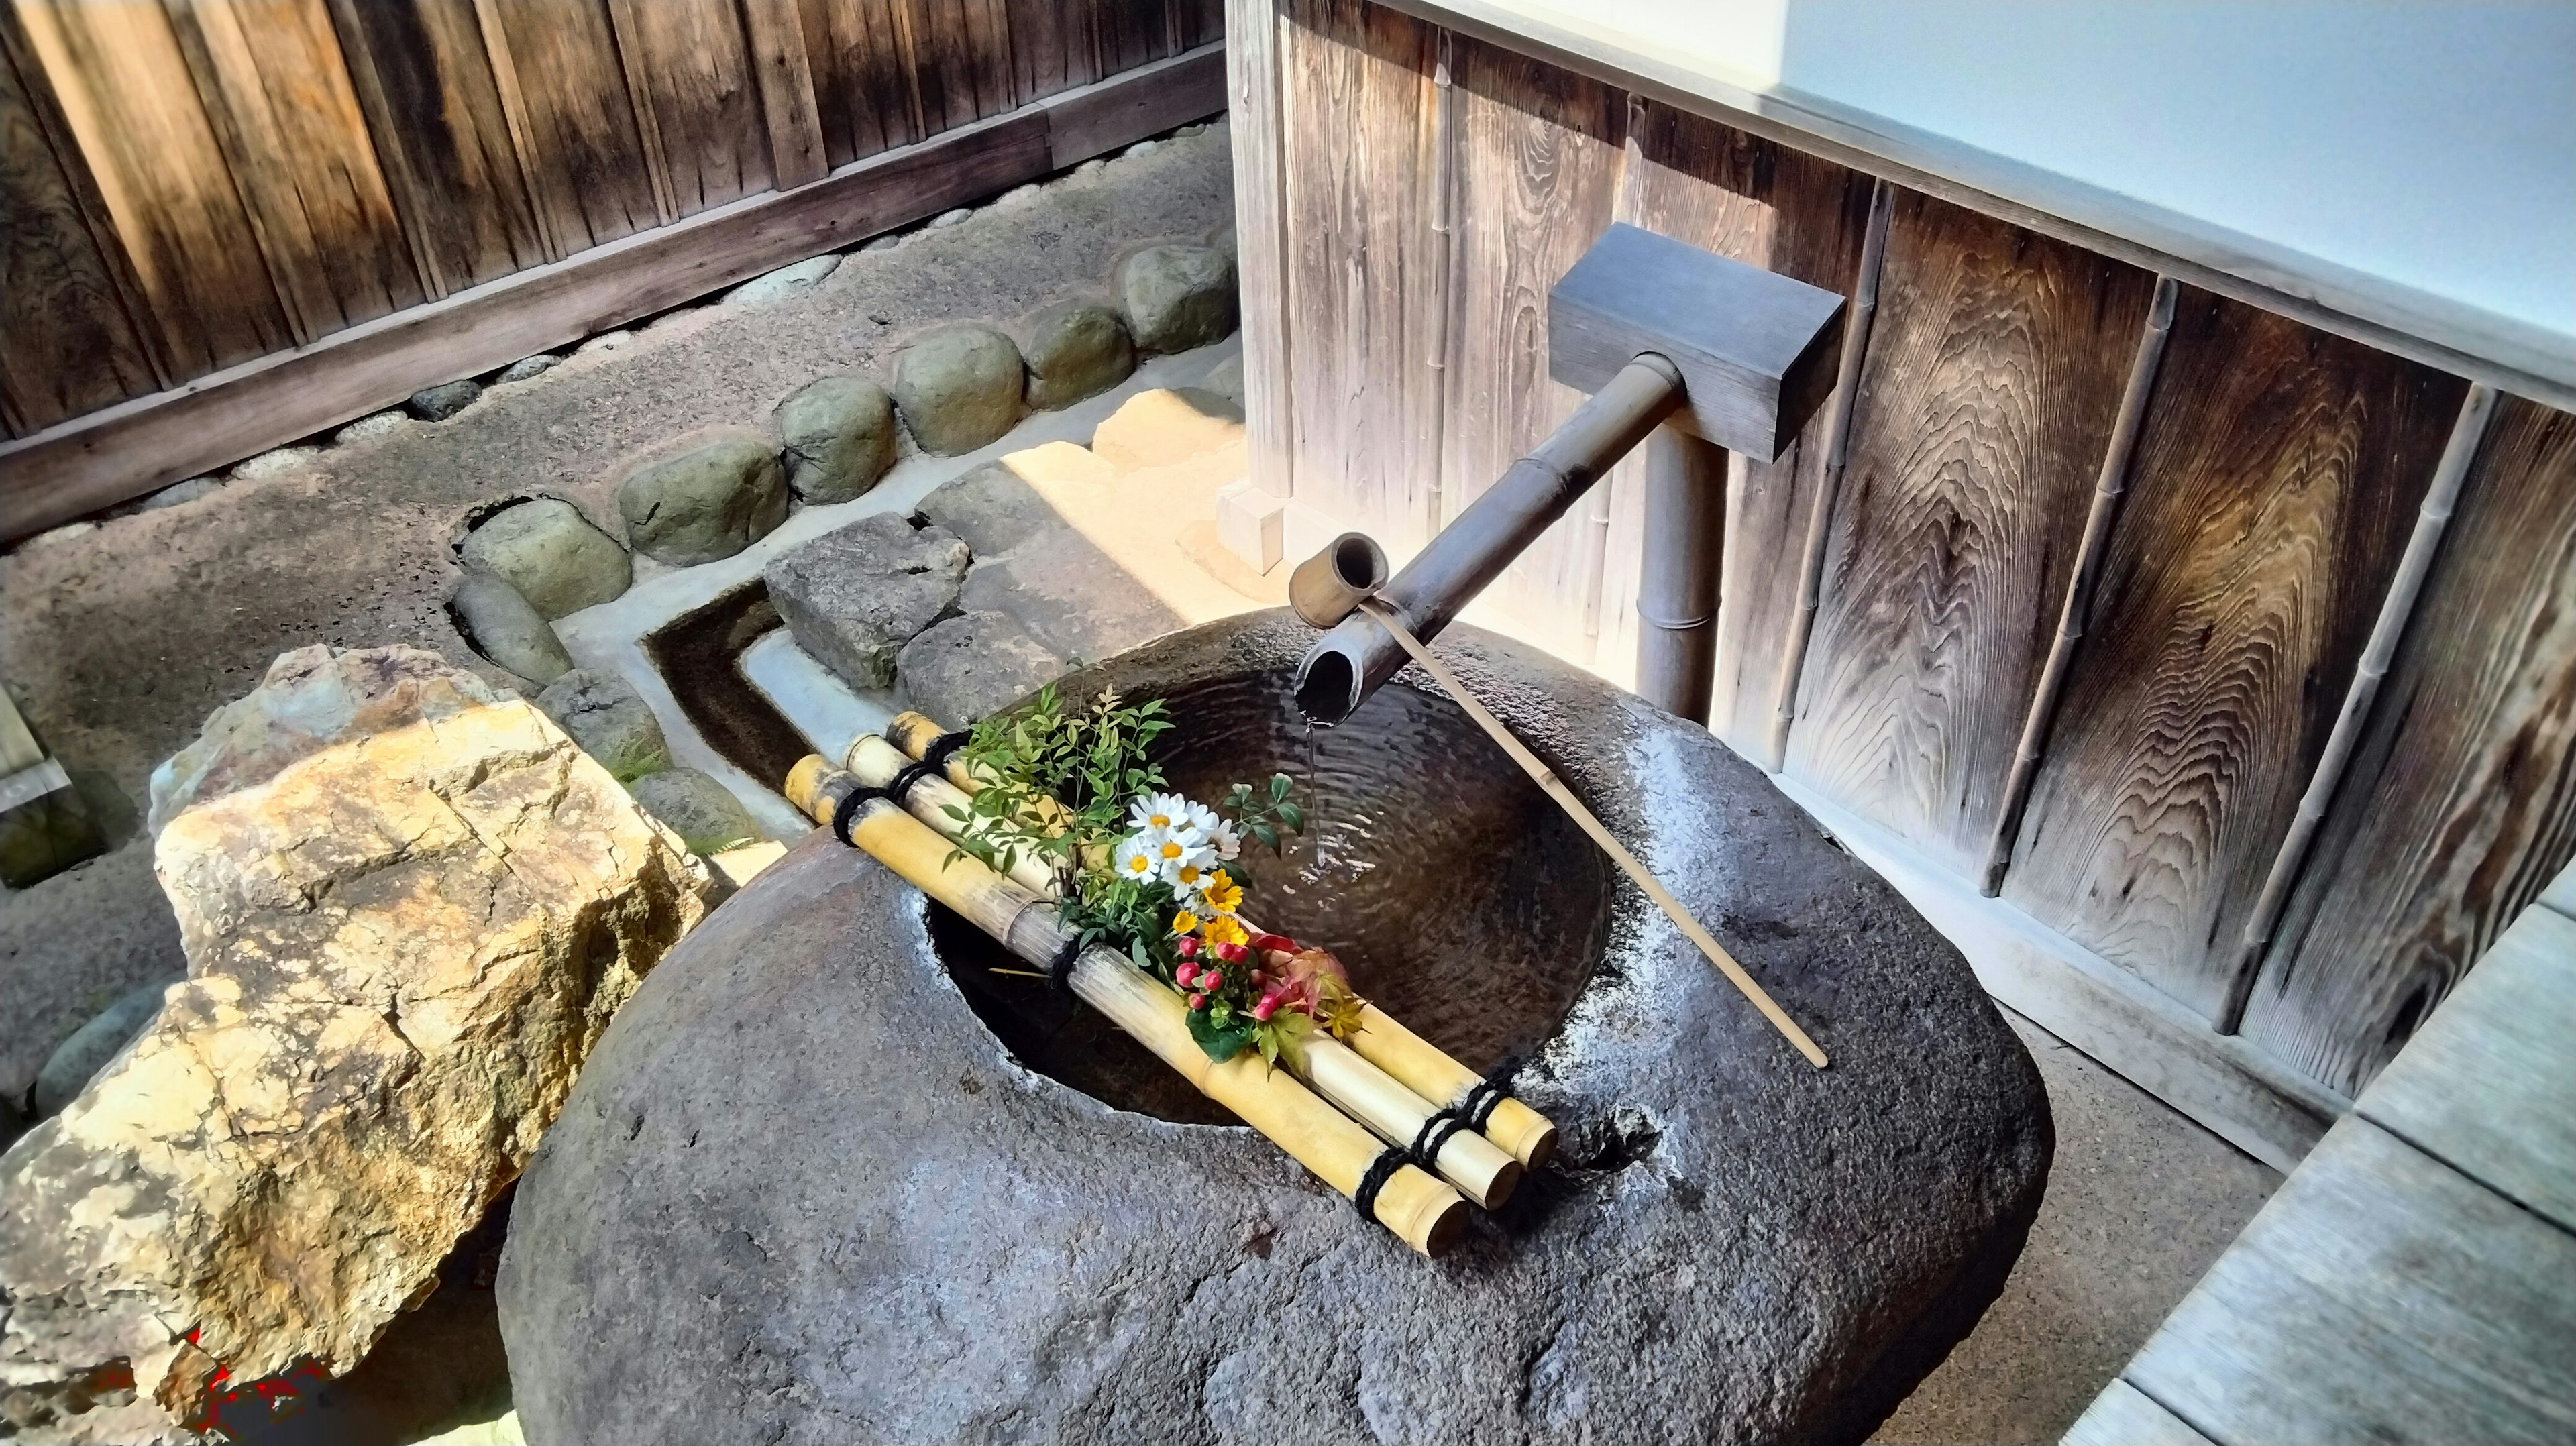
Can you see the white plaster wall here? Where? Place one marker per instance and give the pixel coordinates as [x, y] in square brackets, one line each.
[2429, 144]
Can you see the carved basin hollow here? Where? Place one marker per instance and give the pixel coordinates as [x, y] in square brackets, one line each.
[1461, 900]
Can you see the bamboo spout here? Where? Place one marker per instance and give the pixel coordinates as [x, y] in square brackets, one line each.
[1348, 663]
[1423, 1212]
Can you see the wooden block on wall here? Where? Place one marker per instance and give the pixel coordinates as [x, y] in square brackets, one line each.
[2275, 482]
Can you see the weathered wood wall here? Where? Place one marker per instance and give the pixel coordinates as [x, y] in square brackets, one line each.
[1431, 189]
[193, 184]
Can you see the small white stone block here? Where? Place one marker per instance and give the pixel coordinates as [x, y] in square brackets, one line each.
[1251, 524]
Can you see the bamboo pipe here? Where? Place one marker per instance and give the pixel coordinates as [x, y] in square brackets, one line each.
[1358, 1088]
[1410, 1060]
[1423, 1212]
[875, 762]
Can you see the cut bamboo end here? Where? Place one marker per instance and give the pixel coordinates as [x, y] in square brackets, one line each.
[804, 785]
[1422, 1067]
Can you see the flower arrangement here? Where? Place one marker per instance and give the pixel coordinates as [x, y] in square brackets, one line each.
[1156, 875]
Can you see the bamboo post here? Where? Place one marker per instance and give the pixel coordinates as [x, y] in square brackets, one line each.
[1545, 777]
[1349, 1081]
[1423, 1212]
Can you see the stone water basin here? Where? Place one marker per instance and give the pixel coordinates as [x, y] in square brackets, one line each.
[828, 1180]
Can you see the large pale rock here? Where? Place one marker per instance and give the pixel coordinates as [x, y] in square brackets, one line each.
[854, 597]
[839, 436]
[707, 503]
[1178, 297]
[958, 389]
[401, 948]
[552, 554]
[804, 1185]
[69, 1068]
[310, 699]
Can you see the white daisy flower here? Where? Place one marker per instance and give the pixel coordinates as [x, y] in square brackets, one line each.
[1202, 818]
[1190, 879]
[1225, 841]
[1157, 812]
[1135, 857]
[1173, 853]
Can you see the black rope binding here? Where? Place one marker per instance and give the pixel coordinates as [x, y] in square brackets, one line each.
[899, 787]
[1478, 1107]
[1435, 1134]
[936, 755]
[846, 812]
[1380, 1170]
[1060, 969]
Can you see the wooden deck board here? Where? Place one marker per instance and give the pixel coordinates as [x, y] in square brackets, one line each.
[2380, 1296]
[2489, 1084]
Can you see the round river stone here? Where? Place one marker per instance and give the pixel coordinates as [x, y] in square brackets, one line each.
[825, 1178]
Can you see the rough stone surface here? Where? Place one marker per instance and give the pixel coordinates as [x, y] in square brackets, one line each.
[610, 721]
[179, 494]
[1070, 596]
[946, 219]
[617, 340]
[839, 435]
[727, 1238]
[528, 366]
[1076, 349]
[374, 424]
[991, 508]
[972, 664]
[438, 403]
[854, 597]
[707, 503]
[958, 389]
[784, 281]
[92, 1045]
[276, 462]
[506, 629]
[68, 948]
[308, 700]
[400, 950]
[1178, 297]
[702, 811]
[552, 554]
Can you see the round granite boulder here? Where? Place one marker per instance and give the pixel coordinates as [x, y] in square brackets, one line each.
[828, 1179]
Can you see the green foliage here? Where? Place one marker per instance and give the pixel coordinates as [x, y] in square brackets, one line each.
[1057, 779]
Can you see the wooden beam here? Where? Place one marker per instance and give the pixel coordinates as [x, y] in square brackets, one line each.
[1260, 239]
[2230, 1088]
[129, 449]
[787, 103]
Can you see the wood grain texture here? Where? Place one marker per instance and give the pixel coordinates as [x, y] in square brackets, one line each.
[697, 110]
[1253, 106]
[282, 106]
[2485, 1086]
[1993, 376]
[2459, 805]
[2378, 1296]
[433, 110]
[67, 342]
[132, 109]
[2123, 1416]
[1357, 170]
[120, 452]
[1766, 205]
[2275, 481]
[958, 56]
[1537, 170]
[775, 32]
[862, 78]
[563, 86]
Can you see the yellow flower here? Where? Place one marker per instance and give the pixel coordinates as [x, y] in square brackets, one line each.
[1223, 929]
[1223, 894]
[1185, 921]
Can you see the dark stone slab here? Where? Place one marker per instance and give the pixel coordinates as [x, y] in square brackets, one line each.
[803, 1192]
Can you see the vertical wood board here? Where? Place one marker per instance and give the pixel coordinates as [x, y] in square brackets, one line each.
[130, 104]
[784, 76]
[284, 111]
[863, 81]
[2274, 484]
[433, 111]
[688, 76]
[1994, 373]
[68, 344]
[1261, 267]
[959, 57]
[1537, 170]
[1361, 261]
[564, 84]
[2460, 803]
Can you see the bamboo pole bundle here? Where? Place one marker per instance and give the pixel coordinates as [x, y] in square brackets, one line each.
[1406, 1057]
[1360, 1089]
[1423, 1212]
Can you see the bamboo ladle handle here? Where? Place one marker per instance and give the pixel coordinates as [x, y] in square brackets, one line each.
[1555, 788]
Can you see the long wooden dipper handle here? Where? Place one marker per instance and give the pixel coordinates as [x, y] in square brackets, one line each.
[1555, 788]
[1423, 1212]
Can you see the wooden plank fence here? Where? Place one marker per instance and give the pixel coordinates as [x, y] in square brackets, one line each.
[198, 187]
